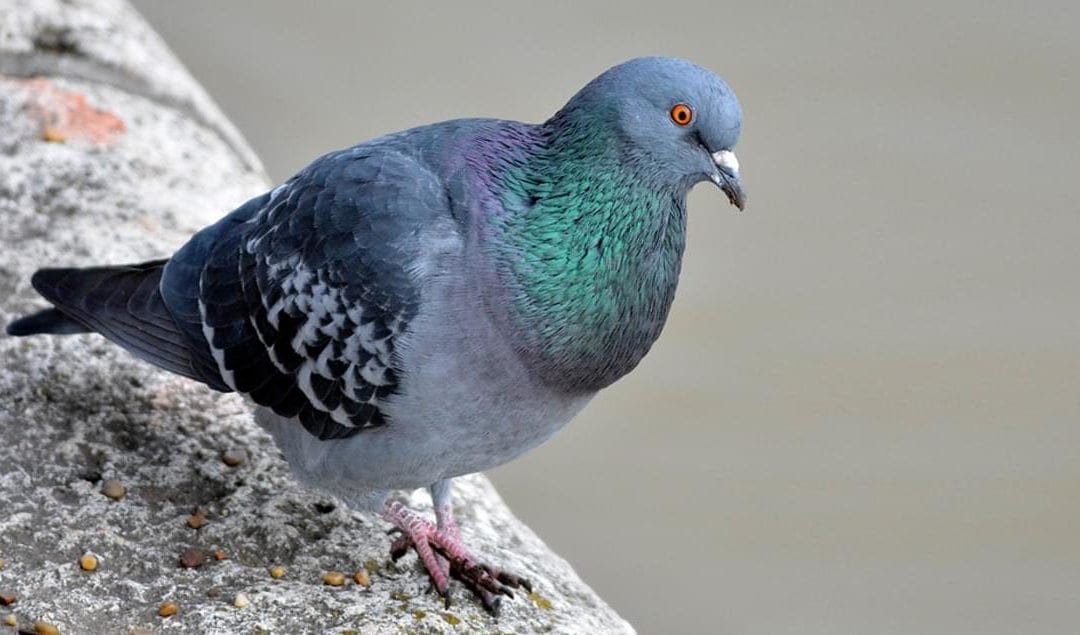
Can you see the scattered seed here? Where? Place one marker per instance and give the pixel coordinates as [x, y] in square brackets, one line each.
[277, 572]
[6, 599]
[167, 609]
[114, 489]
[219, 554]
[372, 566]
[362, 578]
[400, 596]
[10, 620]
[334, 578]
[234, 457]
[2, 563]
[197, 519]
[45, 628]
[451, 619]
[419, 615]
[140, 631]
[88, 562]
[241, 601]
[540, 601]
[192, 558]
[53, 135]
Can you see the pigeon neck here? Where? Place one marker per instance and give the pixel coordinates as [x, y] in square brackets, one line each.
[591, 252]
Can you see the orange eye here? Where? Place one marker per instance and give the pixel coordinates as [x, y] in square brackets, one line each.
[681, 114]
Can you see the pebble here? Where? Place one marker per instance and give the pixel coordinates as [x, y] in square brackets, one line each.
[11, 620]
[219, 554]
[334, 578]
[45, 628]
[167, 609]
[88, 562]
[362, 578]
[241, 601]
[114, 489]
[6, 599]
[277, 572]
[234, 457]
[192, 558]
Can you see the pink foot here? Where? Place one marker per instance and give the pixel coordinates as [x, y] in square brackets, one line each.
[444, 556]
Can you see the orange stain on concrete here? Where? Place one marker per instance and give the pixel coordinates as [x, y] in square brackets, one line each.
[65, 114]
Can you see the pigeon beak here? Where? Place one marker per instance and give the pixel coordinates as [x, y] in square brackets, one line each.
[726, 177]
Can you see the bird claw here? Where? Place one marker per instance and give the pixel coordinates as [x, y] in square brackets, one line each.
[437, 548]
[513, 580]
[400, 546]
[444, 594]
[486, 582]
[489, 597]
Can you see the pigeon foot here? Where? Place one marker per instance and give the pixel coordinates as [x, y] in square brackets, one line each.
[444, 556]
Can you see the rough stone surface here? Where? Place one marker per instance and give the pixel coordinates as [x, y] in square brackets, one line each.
[106, 42]
[115, 155]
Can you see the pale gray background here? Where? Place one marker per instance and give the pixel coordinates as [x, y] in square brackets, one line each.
[864, 415]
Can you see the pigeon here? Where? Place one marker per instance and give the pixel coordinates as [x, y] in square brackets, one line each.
[436, 301]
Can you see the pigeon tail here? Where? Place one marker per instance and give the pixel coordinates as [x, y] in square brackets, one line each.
[122, 303]
[48, 321]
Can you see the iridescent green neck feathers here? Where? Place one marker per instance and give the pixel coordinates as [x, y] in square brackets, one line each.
[590, 249]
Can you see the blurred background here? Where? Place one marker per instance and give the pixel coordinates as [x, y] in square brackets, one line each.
[864, 414]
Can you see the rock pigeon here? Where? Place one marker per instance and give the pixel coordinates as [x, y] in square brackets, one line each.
[436, 301]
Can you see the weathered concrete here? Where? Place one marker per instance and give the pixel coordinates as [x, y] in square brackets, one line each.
[114, 154]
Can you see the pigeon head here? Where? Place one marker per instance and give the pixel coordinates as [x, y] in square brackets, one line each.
[671, 121]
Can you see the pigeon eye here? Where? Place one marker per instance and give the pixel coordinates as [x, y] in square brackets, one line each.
[682, 114]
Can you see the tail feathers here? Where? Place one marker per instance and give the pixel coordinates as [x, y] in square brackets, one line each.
[124, 304]
[51, 321]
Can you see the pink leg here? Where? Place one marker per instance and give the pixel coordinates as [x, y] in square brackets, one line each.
[444, 520]
[416, 533]
[434, 543]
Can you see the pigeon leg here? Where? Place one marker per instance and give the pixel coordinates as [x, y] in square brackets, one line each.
[431, 541]
[444, 518]
[416, 532]
[443, 499]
